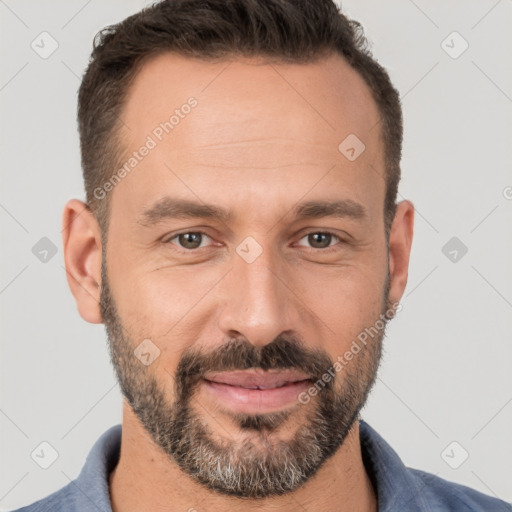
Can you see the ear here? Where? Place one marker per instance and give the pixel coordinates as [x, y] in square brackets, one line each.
[81, 240]
[400, 242]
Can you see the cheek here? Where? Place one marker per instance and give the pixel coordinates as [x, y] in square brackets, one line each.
[346, 300]
[161, 303]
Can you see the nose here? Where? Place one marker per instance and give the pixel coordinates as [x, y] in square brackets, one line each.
[258, 300]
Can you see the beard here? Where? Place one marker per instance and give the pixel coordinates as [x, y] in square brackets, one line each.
[260, 465]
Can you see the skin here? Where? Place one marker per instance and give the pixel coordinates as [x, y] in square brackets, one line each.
[262, 138]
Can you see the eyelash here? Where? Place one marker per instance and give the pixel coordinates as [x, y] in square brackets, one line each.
[324, 250]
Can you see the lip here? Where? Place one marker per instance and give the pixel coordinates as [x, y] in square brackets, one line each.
[256, 391]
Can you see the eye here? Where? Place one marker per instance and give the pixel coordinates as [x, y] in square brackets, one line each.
[320, 239]
[190, 240]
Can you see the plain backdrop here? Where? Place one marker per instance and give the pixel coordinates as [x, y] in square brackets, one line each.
[446, 375]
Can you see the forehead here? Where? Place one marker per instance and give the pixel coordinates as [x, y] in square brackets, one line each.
[325, 95]
[285, 121]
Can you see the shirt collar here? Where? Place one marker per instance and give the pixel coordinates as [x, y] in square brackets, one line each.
[395, 486]
[93, 480]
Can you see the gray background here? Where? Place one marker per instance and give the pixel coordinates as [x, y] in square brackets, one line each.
[446, 375]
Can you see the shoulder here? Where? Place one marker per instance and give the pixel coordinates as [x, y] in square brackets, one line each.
[448, 495]
[90, 490]
[60, 501]
[401, 488]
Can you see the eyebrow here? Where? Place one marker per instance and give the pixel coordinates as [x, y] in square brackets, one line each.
[342, 209]
[172, 208]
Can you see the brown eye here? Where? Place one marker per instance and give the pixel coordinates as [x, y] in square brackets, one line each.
[191, 240]
[320, 240]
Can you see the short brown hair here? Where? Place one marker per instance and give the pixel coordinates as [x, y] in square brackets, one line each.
[293, 31]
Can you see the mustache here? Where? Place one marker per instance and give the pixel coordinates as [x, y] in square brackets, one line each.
[283, 353]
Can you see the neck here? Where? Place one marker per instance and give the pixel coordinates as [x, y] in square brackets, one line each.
[146, 479]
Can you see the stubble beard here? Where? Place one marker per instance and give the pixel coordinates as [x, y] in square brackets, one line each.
[261, 465]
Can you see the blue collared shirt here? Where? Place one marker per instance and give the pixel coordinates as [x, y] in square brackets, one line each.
[398, 488]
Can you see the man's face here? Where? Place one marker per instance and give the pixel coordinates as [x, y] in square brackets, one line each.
[271, 294]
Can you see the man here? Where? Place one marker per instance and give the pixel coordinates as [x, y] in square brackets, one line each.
[242, 243]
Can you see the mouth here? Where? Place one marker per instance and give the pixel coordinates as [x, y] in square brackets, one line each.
[256, 391]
